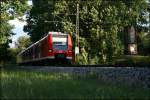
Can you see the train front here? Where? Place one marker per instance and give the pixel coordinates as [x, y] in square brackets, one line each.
[60, 46]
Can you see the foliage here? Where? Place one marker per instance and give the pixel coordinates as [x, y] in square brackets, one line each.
[12, 55]
[102, 24]
[5, 32]
[144, 43]
[38, 18]
[23, 42]
[10, 9]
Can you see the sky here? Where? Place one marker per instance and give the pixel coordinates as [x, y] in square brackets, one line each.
[18, 28]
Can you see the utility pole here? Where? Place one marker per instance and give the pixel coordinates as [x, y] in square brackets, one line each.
[77, 33]
[77, 25]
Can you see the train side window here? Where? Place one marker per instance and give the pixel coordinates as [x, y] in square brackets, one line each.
[39, 49]
[36, 51]
[28, 56]
[32, 52]
[23, 56]
[29, 53]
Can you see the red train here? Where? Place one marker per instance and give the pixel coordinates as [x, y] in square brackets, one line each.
[54, 45]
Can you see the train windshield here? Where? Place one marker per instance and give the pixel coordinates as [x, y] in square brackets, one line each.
[59, 42]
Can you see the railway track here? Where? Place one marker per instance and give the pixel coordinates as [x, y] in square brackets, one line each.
[127, 75]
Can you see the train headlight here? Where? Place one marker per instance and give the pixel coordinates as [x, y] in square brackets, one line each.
[50, 50]
[69, 51]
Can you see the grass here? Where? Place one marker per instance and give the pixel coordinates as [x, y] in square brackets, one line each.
[44, 85]
[132, 60]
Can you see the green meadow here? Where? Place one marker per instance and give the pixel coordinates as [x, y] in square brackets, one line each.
[48, 85]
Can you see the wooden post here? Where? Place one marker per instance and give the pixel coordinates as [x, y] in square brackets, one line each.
[77, 33]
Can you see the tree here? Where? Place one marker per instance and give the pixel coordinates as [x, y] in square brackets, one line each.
[143, 28]
[12, 55]
[144, 43]
[101, 24]
[23, 42]
[38, 19]
[5, 33]
[10, 9]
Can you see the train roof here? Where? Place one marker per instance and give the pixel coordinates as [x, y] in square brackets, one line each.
[53, 33]
[57, 33]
